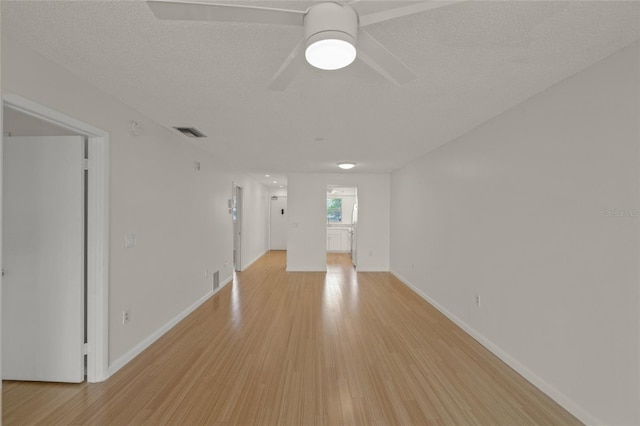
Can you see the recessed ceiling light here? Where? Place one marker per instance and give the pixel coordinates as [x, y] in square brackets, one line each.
[267, 175]
[281, 186]
[346, 165]
[275, 181]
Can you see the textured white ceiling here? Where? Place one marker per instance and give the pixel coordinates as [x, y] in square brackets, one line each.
[474, 60]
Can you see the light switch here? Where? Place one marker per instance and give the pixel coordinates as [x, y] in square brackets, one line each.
[130, 240]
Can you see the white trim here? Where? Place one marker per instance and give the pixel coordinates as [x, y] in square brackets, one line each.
[97, 228]
[33, 109]
[568, 404]
[1, 197]
[98, 260]
[237, 259]
[254, 260]
[638, 310]
[140, 347]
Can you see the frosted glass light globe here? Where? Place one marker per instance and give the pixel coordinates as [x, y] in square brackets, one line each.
[330, 54]
[346, 165]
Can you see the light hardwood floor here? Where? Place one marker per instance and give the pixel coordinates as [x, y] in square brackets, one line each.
[298, 348]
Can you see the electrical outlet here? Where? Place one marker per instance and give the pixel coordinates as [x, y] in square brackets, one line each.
[478, 300]
[126, 316]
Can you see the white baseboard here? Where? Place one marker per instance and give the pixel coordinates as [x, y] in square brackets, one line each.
[568, 404]
[140, 347]
[246, 265]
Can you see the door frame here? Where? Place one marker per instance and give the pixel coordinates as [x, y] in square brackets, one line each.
[271, 199]
[97, 228]
[237, 196]
[354, 229]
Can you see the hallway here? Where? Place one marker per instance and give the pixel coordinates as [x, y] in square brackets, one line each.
[293, 348]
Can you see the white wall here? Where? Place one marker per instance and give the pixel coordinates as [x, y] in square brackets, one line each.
[516, 211]
[179, 215]
[307, 201]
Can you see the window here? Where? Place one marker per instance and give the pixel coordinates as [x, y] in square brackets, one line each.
[334, 210]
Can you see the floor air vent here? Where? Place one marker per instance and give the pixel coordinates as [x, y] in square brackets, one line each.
[190, 132]
[216, 280]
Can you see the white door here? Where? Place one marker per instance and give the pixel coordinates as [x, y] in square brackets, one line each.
[278, 233]
[43, 259]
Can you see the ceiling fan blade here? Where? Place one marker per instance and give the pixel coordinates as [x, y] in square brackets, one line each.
[211, 12]
[372, 53]
[385, 15]
[289, 68]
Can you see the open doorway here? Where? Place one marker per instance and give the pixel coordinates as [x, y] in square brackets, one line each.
[40, 138]
[236, 215]
[342, 221]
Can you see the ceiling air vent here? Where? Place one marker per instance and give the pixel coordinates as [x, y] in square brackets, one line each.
[190, 132]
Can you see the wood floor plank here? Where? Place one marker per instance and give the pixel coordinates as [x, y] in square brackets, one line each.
[295, 348]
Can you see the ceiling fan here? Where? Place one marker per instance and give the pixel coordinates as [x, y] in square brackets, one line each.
[333, 33]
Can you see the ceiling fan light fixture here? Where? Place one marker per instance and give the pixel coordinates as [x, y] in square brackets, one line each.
[330, 52]
[333, 32]
[346, 165]
[330, 34]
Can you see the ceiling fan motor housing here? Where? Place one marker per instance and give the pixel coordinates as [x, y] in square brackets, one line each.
[330, 21]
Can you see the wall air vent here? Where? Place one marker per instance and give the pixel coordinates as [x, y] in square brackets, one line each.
[191, 132]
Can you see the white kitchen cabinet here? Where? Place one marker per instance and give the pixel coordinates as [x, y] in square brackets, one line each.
[338, 239]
